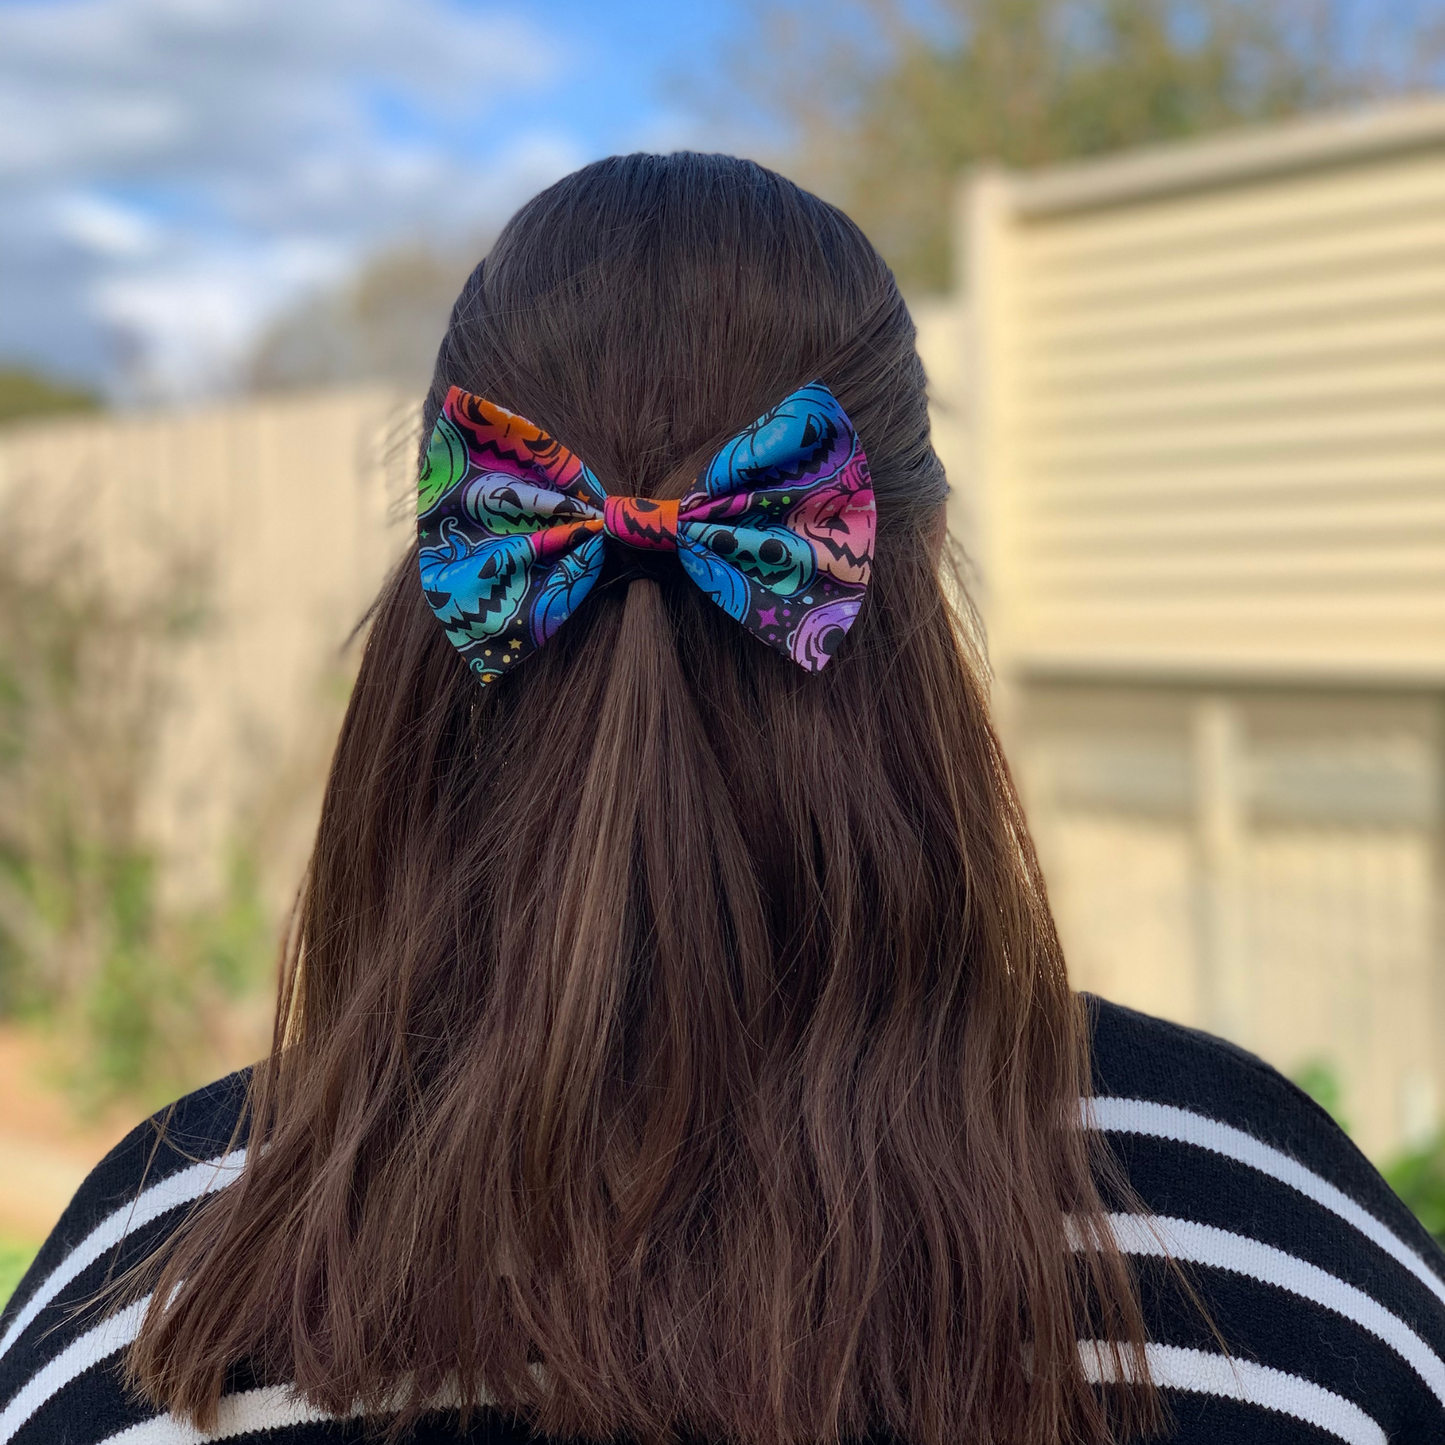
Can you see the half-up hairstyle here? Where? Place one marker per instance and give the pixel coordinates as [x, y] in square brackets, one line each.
[673, 1043]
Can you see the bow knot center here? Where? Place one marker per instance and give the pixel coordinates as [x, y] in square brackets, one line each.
[641, 522]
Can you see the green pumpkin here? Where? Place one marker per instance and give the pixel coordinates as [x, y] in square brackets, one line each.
[444, 467]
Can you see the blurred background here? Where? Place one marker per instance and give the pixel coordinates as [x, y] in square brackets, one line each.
[1178, 268]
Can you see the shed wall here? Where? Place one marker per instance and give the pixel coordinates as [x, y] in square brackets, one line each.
[1206, 458]
[1218, 426]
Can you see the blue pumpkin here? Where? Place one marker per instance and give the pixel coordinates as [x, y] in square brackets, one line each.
[476, 588]
[775, 557]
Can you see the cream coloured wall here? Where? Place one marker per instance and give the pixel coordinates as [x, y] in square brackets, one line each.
[1213, 423]
[1204, 453]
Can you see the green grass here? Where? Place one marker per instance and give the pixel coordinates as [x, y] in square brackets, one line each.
[15, 1259]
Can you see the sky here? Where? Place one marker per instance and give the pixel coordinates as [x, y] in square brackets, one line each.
[175, 172]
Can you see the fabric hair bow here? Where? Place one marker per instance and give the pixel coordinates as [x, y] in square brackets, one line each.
[778, 530]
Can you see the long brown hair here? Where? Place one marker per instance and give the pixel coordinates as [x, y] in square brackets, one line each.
[672, 1043]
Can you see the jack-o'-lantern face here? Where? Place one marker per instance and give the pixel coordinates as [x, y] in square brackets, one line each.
[805, 435]
[505, 505]
[838, 521]
[779, 559]
[476, 588]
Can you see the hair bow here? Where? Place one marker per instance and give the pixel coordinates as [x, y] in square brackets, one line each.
[778, 530]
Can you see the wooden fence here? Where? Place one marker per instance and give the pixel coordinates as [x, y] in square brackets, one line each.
[284, 511]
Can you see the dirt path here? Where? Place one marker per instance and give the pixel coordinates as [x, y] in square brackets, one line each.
[45, 1152]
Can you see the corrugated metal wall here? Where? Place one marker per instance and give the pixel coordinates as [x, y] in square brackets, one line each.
[1261, 863]
[1223, 425]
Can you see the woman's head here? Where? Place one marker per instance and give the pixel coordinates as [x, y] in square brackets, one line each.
[672, 1040]
[646, 307]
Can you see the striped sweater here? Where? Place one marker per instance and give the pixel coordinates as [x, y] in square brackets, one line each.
[1329, 1295]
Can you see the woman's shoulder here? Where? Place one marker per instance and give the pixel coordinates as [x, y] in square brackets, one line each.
[1138, 1055]
[1303, 1256]
[1162, 1080]
[166, 1161]
[130, 1201]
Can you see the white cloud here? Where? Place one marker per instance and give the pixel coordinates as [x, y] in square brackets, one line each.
[102, 226]
[198, 314]
[167, 81]
[173, 170]
[39, 136]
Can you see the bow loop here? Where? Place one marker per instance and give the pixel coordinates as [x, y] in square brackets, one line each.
[778, 531]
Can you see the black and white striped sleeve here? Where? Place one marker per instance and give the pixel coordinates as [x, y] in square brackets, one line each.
[58, 1353]
[1327, 1296]
[1326, 1300]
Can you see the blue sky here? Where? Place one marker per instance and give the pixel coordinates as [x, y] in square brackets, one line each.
[174, 171]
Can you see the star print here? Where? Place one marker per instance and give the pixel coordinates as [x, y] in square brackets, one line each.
[767, 616]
